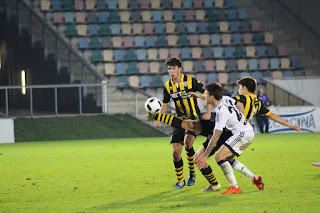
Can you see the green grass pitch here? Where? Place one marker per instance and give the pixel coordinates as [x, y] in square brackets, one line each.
[137, 175]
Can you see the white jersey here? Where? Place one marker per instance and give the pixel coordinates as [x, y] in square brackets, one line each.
[229, 116]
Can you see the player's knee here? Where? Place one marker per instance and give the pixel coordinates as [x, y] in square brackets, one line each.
[217, 157]
[176, 155]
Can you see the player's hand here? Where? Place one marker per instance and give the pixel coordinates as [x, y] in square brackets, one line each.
[196, 95]
[158, 124]
[201, 162]
[206, 116]
[297, 128]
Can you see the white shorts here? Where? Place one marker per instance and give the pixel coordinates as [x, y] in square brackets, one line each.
[238, 142]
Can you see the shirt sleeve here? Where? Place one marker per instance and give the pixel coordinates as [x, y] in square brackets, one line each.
[221, 120]
[197, 85]
[263, 109]
[241, 99]
[166, 97]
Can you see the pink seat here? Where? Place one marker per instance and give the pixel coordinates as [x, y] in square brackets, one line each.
[78, 5]
[223, 78]
[255, 26]
[163, 53]
[189, 14]
[172, 40]
[242, 64]
[196, 53]
[128, 41]
[247, 38]
[170, 27]
[58, 18]
[197, 4]
[194, 40]
[202, 78]
[149, 28]
[174, 53]
[282, 50]
[209, 65]
[154, 67]
[204, 39]
[143, 67]
[144, 4]
[264, 64]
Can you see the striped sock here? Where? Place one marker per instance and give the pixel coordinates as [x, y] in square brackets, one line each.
[208, 174]
[190, 155]
[179, 170]
[168, 119]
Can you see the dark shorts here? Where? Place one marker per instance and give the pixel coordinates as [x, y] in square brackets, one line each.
[226, 134]
[179, 133]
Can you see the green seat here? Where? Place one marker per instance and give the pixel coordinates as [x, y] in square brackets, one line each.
[71, 30]
[114, 16]
[161, 41]
[239, 52]
[156, 81]
[266, 74]
[122, 79]
[104, 29]
[183, 40]
[94, 43]
[210, 15]
[258, 38]
[96, 56]
[130, 55]
[67, 5]
[213, 27]
[132, 68]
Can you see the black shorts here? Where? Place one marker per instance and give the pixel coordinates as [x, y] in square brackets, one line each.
[226, 134]
[179, 133]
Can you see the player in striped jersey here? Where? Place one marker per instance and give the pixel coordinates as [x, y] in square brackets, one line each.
[177, 89]
[249, 105]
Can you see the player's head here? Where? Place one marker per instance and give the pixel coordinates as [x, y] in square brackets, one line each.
[247, 83]
[214, 89]
[174, 67]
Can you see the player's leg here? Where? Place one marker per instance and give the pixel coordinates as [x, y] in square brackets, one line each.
[188, 144]
[208, 174]
[316, 163]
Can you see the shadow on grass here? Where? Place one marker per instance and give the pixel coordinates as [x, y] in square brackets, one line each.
[167, 200]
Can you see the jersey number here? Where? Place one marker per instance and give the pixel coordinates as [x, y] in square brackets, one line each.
[239, 116]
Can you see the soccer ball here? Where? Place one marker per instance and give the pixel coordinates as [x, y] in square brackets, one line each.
[152, 105]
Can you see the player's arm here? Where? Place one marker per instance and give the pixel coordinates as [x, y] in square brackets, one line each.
[240, 102]
[280, 120]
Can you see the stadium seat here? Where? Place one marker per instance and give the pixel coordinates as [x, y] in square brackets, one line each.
[220, 65]
[285, 63]
[128, 41]
[143, 67]
[125, 16]
[107, 55]
[224, 26]
[174, 53]
[208, 3]
[215, 39]
[163, 53]
[45, 5]
[239, 52]
[177, 4]
[202, 78]
[156, 81]
[212, 77]
[146, 15]
[126, 29]
[213, 27]
[139, 41]
[157, 15]
[94, 42]
[218, 52]
[282, 50]
[152, 54]
[154, 67]
[242, 14]
[234, 26]
[266, 74]
[226, 39]
[144, 4]
[252, 64]
[91, 17]
[277, 74]
[229, 52]
[167, 15]
[90, 4]
[114, 16]
[102, 17]
[187, 66]
[288, 73]
[207, 52]
[183, 40]
[165, 78]
[161, 41]
[191, 27]
[274, 63]
[159, 28]
[250, 51]
[247, 38]
[193, 40]
[170, 27]
[233, 77]
[101, 5]
[231, 65]
[221, 15]
[271, 51]
[96, 56]
[83, 43]
[121, 68]
[295, 63]
[69, 17]
[187, 4]
[118, 55]
[218, 3]
[172, 40]
[256, 75]
[205, 39]
[150, 41]
[258, 38]
[261, 51]
[123, 4]
[71, 30]
[93, 29]
[202, 27]
[78, 4]
[209, 66]
[185, 53]
[200, 15]
[163, 68]
[132, 68]
[255, 26]
[133, 4]
[145, 81]
[189, 14]
[268, 38]
[228, 3]
[137, 28]
[244, 74]
[115, 29]
[124, 80]
[80, 17]
[264, 64]
[155, 4]
[130, 55]
[117, 42]
[56, 5]
[109, 68]
[141, 54]
[198, 4]
[136, 16]
[112, 4]
[231, 14]
[242, 64]
[134, 81]
[181, 28]
[236, 38]
[104, 30]
[244, 26]
[198, 66]
[57, 18]
[196, 53]
[178, 15]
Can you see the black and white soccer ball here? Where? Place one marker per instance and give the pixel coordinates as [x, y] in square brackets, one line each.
[152, 105]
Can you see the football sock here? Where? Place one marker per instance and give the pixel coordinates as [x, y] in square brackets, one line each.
[190, 155]
[228, 172]
[237, 165]
[208, 174]
[179, 170]
[168, 119]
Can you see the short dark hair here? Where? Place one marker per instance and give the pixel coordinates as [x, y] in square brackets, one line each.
[215, 89]
[173, 62]
[248, 82]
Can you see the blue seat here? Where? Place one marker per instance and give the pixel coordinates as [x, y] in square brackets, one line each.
[207, 52]
[191, 27]
[228, 3]
[165, 78]
[69, 17]
[295, 63]
[245, 26]
[119, 55]
[244, 74]
[187, 3]
[83, 43]
[159, 28]
[231, 14]
[274, 63]
[139, 41]
[135, 16]
[166, 4]
[115, 29]
[56, 5]
[221, 15]
[212, 77]
[100, 4]
[150, 41]
[121, 68]
[198, 66]
[229, 52]
[215, 39]
[134, 4]
[233, 77]
[185, 53]
[112, 4]
[102, 17]
[242, 14]
[91, 17]
[261, 51]
[141, 54]
[93, 29]
[178, 15]
[157, 81]
[257, 75]
[236, 38]
[272, 50]
[288, 73]
[217, 52]
[234, 26]
[231, 65]
[180, 28]
[208, 3]
[145, 81]
[157, 15]
[202, 27]
[253, 64]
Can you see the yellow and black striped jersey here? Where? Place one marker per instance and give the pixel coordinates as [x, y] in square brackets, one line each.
[186, 106]
[252, 105]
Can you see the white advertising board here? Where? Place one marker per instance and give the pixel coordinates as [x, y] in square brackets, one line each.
[307, 117]
[6, 131]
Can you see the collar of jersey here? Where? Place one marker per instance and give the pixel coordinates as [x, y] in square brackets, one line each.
[181, 79]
